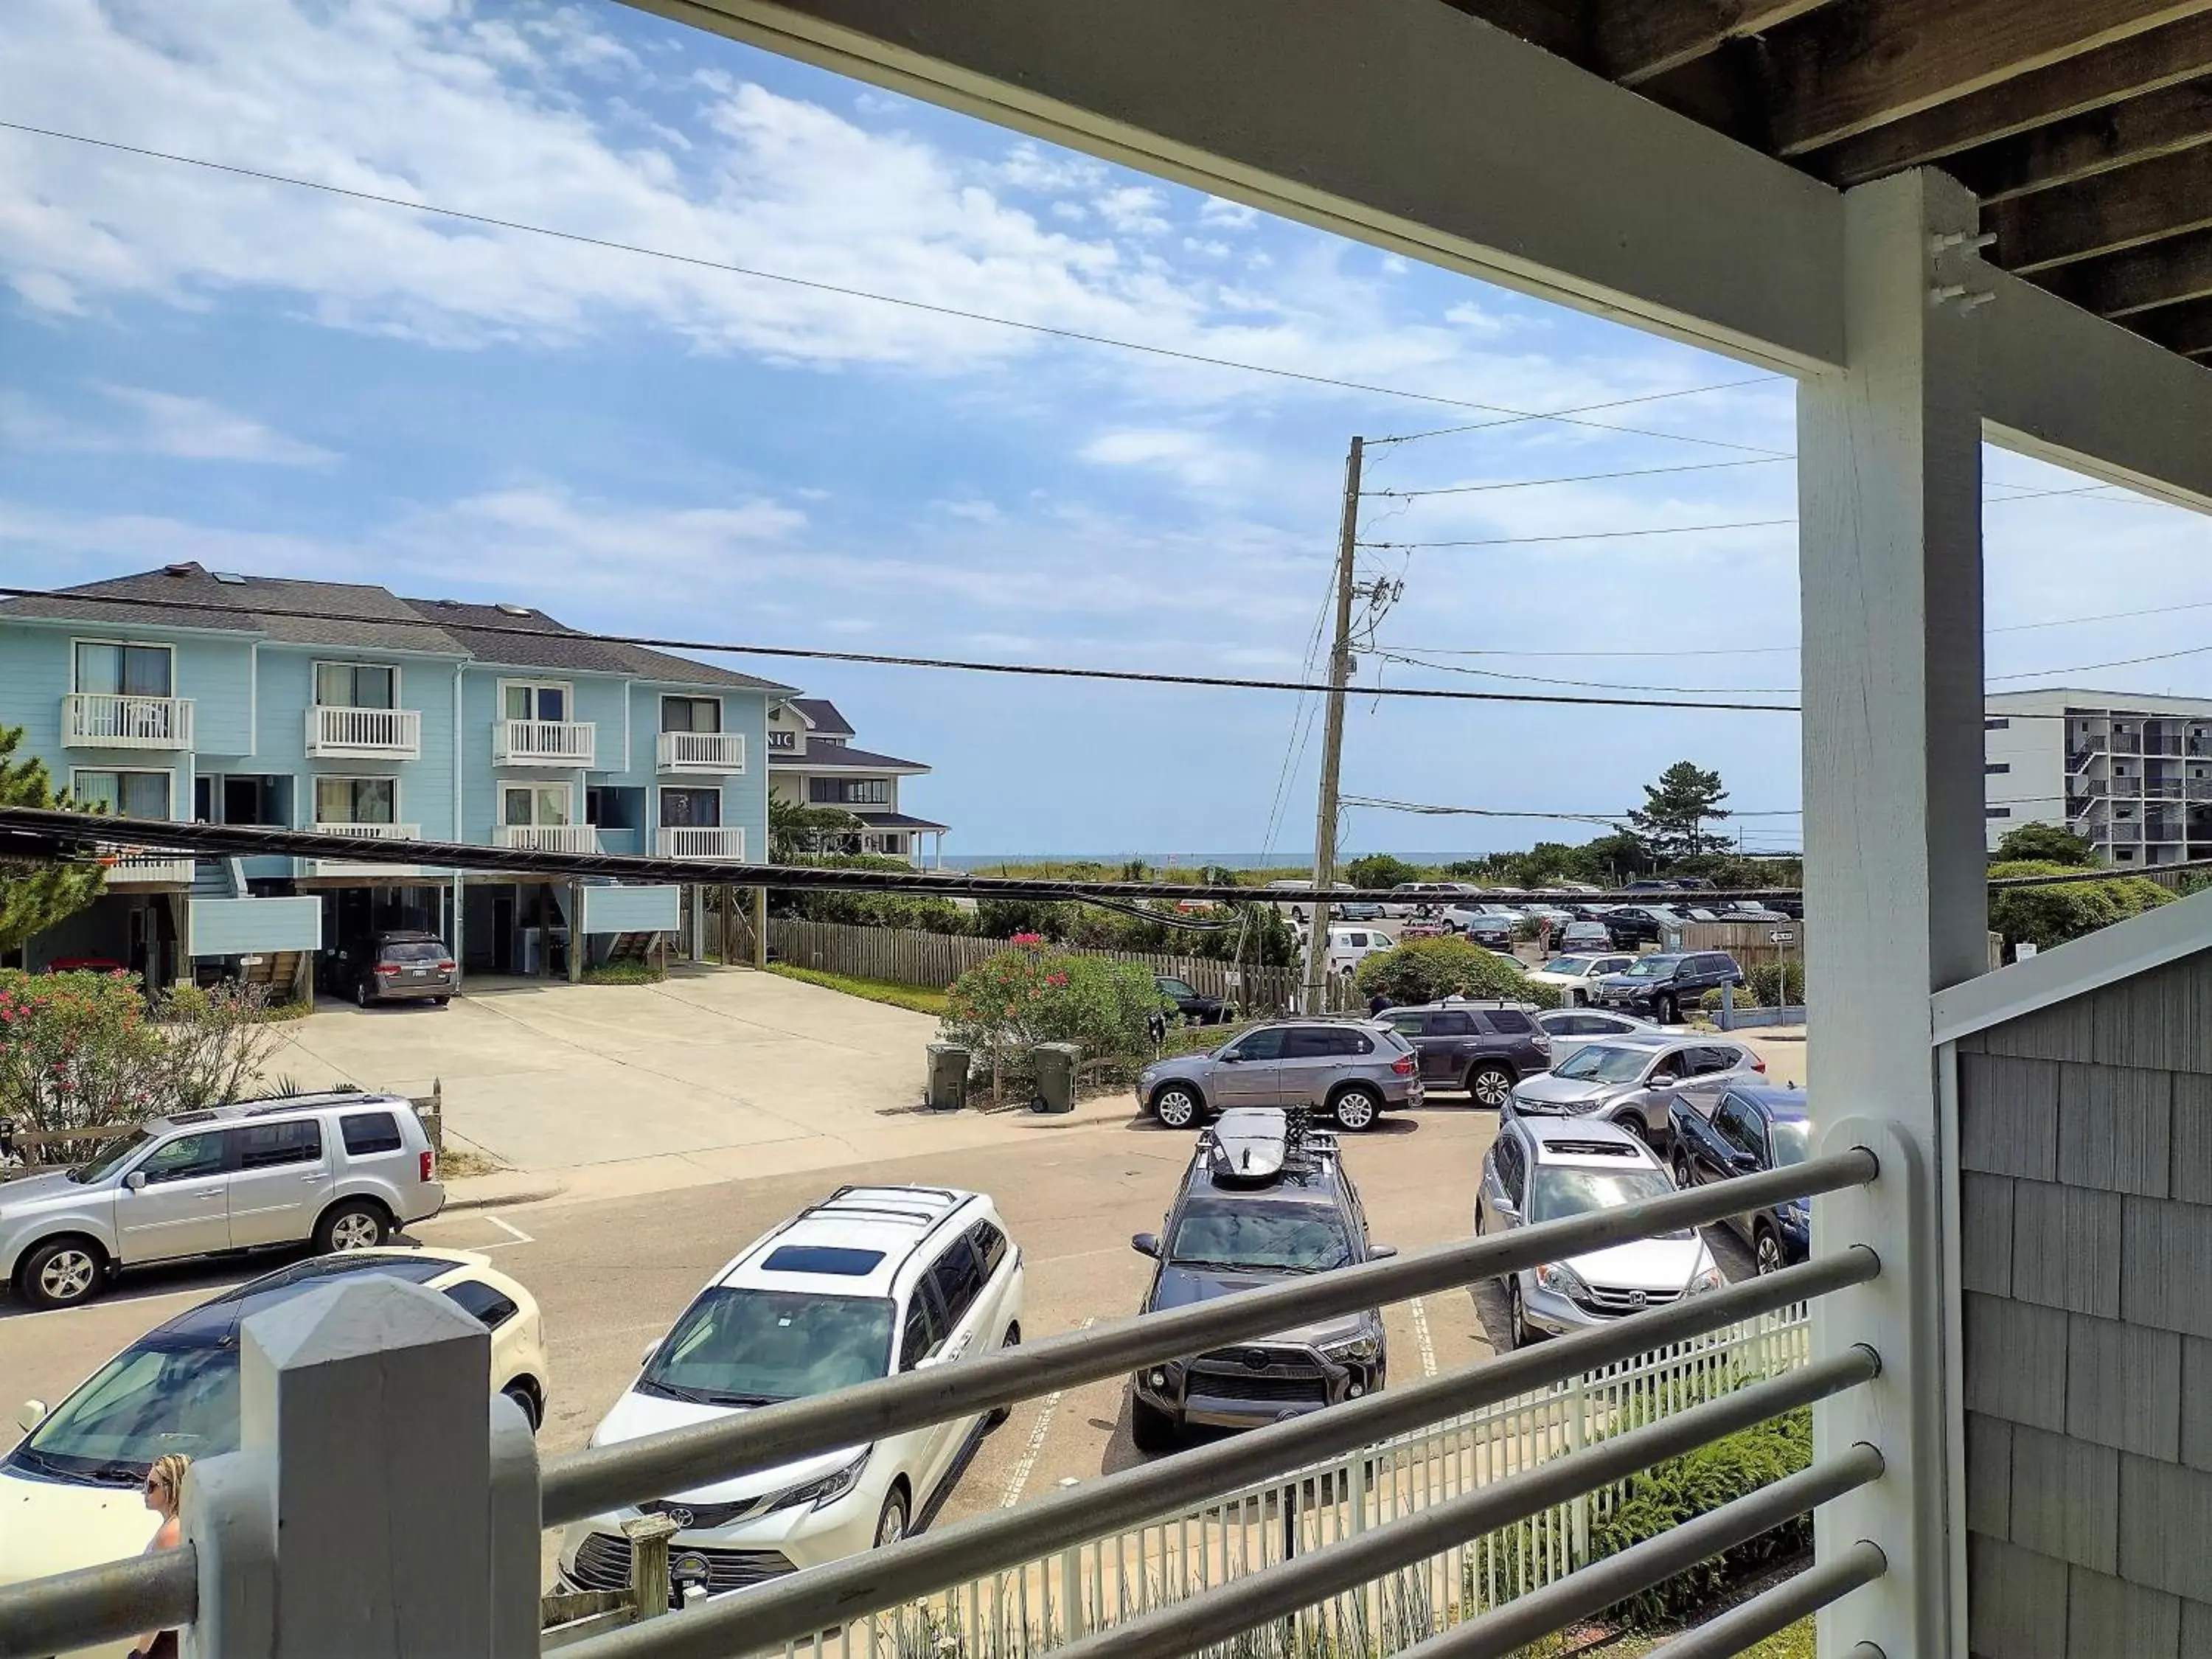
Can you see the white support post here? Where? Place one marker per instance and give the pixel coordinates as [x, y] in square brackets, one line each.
[373, 1509]
[1889, 483]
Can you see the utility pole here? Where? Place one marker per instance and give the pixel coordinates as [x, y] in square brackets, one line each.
[1332, 740]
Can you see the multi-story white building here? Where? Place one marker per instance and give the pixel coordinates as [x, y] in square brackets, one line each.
[2131, 773]
[812, 761]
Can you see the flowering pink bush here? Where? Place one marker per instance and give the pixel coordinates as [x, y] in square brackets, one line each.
[1002, 1007]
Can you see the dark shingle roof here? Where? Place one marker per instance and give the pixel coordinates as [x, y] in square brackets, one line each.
[897, 821]
[354, 614]
[531, 639]
[821, 715]
[843, 757]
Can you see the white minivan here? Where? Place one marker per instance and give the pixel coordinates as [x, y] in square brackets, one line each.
[1350, 945]
[873, 1281]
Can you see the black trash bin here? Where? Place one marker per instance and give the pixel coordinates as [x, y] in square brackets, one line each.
[948, 1077]
[1054, 1063]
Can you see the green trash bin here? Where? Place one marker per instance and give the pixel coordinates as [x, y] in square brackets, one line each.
[1054, 1064]
[948, 1077]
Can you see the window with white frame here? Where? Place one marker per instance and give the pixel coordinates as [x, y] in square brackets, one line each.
[357, 686]
[849, 791]
[538, 804]
[127, 794]
[357, 800]
[113, 668]
[691, 714]
[690, 809]
[535, 699]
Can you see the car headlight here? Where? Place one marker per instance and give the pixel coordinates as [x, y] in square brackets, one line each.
[1708, 1277]
[1356, 1351]
[1561, 1279]
[828, 1490]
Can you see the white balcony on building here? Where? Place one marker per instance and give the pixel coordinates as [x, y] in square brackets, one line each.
[369, 865]
[544, 743]
[102, 719]
[702, 841]
[335, 733]
[137, 866]
[548, 838]
[702, 751]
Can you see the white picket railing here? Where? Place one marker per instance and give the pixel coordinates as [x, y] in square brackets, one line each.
[544, 743]
[101, 719]
[699, 841]
[364, 733]
[550, 837]
[362, 832]
[702, 751]
[131, 866]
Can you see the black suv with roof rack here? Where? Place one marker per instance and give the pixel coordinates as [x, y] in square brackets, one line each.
[1484, 1048]
[1266, 1198]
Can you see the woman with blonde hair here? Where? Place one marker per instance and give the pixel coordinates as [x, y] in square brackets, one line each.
[165, 1495]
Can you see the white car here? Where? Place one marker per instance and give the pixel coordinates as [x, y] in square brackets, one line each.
[1574, 977]
[70, 1491]
[872, 1281]
[1349, 946]
[1574, 1029]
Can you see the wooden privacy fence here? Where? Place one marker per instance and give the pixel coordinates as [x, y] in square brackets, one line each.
[901, 956]
[1748, 942]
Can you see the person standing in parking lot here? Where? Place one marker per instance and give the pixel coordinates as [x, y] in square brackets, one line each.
[1376, 1004]
[165, 1495]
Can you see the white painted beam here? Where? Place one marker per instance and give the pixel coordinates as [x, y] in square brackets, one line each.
[1401, 123]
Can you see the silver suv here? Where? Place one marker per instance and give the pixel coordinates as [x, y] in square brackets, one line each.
[1353, 1070]
[1549, 1169]
[1628, 1080]
[344, 1170]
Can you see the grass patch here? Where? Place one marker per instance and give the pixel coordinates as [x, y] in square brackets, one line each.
[282, 1012]
[1795, 1643]
[459, 1161]
[625, 973]
[919, 1001]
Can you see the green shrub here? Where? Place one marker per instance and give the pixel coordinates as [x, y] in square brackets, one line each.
[1710, 1002]
[1426, 969]
[1003, 1006]
[1778, 984]
[2045, 916]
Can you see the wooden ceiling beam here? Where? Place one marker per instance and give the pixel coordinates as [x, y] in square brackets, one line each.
[2109, 213]
[1633, 40]
[2186, 329]
[1850, 68]
[1558, 30]
[2177, 119]
[2159, 274]
[2141, 64]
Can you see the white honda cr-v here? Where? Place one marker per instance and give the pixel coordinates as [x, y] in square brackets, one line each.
[872, 1281]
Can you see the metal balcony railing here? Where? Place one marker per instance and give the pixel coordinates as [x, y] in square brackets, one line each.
[550, 837]
[702, 841]
[544, 743]
[99, 719]
[1354, 1488]
[702, 751]
[335, 733]
[367, 865]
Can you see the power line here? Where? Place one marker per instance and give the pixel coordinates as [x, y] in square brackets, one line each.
[1124, 676]
[1592, 535]
[1566, 415]
[961, 313]
[1607, 685]
[1579, 477]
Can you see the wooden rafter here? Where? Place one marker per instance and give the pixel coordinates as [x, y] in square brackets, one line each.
[2148, 202]
[1633, 40]
[2160, 274]
[2179, 118]
[2185, 328]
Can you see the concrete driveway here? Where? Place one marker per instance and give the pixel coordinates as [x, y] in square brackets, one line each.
[715, 1074]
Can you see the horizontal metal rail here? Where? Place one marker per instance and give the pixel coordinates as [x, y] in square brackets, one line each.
[591, 1482]
[1277, 1592]
[114, 1602]
[1781, 1607]
[1508, 1629]
[787, 1608]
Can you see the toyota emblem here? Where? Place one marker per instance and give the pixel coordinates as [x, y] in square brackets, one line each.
[681, 1517]
[1255, 1359]
[1637, 1299]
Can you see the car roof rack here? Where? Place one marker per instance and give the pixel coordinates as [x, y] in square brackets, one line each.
[1254, 1145]
[1590, 1148]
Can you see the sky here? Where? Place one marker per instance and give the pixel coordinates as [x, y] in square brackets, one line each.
[276, 380]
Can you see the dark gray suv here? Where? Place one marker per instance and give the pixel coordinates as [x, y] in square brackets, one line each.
[1484, 1050]
[1662, 987]
[1352, 1071]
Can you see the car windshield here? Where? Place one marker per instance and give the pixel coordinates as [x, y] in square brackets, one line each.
[1793, 1141]
[413, 950]
[1176, 988]
[1602, 1063]
[148, 1401]
[1652, 967]
[1576, 965]
[745, 1348]
[1300, 1238]
[1561, 1192]
[110, 1158]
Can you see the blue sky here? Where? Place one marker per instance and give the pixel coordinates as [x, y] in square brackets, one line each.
[269, 379]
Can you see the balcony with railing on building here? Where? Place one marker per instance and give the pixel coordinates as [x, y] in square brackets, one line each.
[691, 827]
[122, 697]
[541, 817]
[691, 738]
[355, 715]
[534, 729]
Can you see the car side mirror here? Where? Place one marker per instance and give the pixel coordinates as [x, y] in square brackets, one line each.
[1380, 1252]
[136, 1180]
[1231, 1058]
[1743, 1160]
[1145, 1243]
[646, 1358]
[30, 1415]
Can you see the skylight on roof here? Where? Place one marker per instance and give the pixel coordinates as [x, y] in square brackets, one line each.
[230, 577]
[516, 610]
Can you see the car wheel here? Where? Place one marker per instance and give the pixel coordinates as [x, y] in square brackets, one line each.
[1682, 1170]
[892, 1524]
[1151, 1429]
[439, 1002]
[62, 1272]
[1635, 1125]
[361, 996]
[1491, 1086]
[1517, 1334]
[1670, 1010]
[532, 1414]
[1175, 1106]
[1577, 998]
[355, 1224]
[1355, 1111]
[1766, 1250]
[1012, 1340]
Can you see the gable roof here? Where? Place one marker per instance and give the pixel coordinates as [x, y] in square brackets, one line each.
[843, 758]
[820, 715]
[353, 614]
[522, 638]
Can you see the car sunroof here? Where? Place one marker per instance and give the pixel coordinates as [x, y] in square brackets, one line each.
[846, 1263]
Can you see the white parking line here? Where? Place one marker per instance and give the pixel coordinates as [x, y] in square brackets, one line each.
[1020, 1477]
[1421, 1331]
[506, 1227]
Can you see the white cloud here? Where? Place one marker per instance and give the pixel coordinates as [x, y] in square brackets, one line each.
[1232, 215]
[1194, 458]
[1134, 209]
[155, 423]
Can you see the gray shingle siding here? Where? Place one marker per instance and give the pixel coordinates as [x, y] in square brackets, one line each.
[2085, 1201]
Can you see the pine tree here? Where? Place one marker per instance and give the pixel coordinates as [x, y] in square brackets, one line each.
[34, 896]
[1676, 809]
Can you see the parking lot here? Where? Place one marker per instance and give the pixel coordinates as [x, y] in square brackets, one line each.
[610, 1275]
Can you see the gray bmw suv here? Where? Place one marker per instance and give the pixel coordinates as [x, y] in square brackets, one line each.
[1351, 1070]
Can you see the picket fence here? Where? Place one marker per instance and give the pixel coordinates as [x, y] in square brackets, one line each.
[902, 956]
